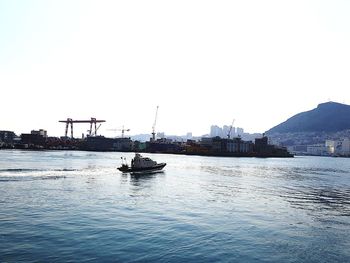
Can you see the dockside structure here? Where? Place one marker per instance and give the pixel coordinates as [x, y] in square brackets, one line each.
[217, 146]
[214, 146]
[101, 143]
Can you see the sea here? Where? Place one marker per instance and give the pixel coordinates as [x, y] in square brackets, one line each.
[75, 206]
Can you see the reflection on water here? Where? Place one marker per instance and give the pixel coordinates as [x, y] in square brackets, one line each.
[140, 177]
[325, 201]
[199, 209]
[144, 175]
[223, 171]
[317, 190]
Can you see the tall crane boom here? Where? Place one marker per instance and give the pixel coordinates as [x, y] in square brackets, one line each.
[123, 130]
[229, 132]
[154, 126]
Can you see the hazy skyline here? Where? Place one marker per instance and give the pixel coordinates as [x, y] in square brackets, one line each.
[202, 62]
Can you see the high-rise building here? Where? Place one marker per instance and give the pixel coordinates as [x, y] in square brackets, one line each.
[225, 131]
[189, 136]
[233, 132]
[215, 131]
[240, 131]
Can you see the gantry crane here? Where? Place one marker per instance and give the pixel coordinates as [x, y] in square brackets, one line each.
[92, 121]
[154, 126]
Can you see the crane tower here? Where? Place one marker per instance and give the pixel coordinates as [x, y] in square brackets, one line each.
[229, 132]
[154, 126]
[92, 121]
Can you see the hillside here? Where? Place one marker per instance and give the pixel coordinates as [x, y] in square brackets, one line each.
[327, 117]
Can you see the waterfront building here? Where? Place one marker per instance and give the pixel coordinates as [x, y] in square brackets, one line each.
[330, 146]
[165, 146]
[34, 138]
[206, 142]
[345, 147]
[224, 145]
[218, 145]
[338, 147]
[298, 149]
[237, 145]
[40, 132]
[7, 136]
[139, 146]
[101, 143]
[317, 149]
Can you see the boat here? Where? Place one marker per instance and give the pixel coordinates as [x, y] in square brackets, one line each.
[141, 164]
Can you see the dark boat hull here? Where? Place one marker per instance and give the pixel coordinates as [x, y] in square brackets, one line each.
[126, 169]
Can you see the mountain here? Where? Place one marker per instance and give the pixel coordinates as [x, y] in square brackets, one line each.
[327, 117]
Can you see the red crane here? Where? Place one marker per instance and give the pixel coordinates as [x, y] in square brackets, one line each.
[92, 122]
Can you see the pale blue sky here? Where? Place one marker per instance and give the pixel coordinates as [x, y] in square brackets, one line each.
[202, 62]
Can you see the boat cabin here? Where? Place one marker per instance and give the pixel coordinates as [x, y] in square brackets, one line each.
[142, 162]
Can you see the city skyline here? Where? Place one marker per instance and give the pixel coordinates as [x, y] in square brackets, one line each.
[83, 129]
[202, 63]
[124, 132]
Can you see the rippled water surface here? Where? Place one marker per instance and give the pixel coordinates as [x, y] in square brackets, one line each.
[59, 206]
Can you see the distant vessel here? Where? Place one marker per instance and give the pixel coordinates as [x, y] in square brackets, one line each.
[141, 164]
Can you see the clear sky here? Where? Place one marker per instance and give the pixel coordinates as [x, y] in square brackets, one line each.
[203, 63]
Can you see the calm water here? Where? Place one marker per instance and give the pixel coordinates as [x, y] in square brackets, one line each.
[75, 206]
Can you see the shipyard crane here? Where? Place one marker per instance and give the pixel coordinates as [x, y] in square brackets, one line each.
[96, 129]
[154, 126]
[122, 130]
[92, 121]
[229, 132]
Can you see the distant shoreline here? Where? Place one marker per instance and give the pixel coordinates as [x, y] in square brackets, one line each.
[240, 155]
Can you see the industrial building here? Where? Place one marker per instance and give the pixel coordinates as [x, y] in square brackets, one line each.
[34, 138]
[7, 136]
[101, 143]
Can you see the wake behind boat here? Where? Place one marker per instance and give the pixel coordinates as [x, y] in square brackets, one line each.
[141, 164]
